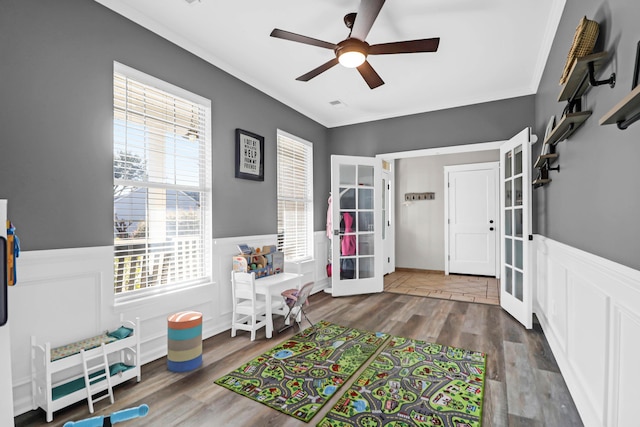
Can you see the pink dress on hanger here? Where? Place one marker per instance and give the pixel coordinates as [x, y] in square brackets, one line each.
[348, 244]
[347, 247]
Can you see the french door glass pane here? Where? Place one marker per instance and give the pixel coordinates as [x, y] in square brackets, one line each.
[517, 286]
[347, 198]
[508, 281]
[518, 192]
[365, 175]
[507, 222]
[347, 175]
[507, 194]
[365, 268]
[507, 163]
[348, 268]
[518, 254]
[347, 222]
[365, 221]
[518, 221]
[518, 161]
[508, 259]
[365, 244]
[365, 198]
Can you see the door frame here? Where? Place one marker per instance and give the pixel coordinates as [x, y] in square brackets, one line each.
[425, 152]
[495, 167]
[389, 242]
[466, 148]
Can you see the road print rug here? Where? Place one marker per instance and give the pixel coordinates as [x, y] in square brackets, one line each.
[298, 376]
[414, 383]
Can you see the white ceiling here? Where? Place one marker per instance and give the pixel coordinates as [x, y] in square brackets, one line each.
[489, 50]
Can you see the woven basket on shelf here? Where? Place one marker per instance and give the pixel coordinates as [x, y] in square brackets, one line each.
[583, 42]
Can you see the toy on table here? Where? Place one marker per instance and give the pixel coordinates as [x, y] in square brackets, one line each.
[263, 261]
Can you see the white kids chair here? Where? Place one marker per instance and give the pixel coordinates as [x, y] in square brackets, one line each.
[249, 313]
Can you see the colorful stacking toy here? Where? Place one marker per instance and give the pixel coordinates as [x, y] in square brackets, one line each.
[184, 341]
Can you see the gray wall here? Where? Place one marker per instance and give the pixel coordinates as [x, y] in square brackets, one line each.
[491, 121]
[56, 65]
[56, 145]
[593, 203]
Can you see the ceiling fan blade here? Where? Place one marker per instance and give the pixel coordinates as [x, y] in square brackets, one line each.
[369, 75]
[321, 69]
[365, 17]
[287, 35]
[409, 46]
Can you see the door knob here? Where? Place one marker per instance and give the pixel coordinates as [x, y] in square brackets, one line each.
[490, 228]
[490, 221]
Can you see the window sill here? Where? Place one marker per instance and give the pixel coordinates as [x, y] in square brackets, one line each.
[144, 296]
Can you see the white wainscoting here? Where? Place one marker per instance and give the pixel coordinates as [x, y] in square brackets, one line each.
[67, 294]
[320, 254]
[589, 309]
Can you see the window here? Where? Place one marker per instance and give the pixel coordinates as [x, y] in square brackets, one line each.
[295, 197]
[161, 183]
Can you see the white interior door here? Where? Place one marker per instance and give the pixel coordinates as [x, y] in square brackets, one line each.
[357, 233]
[472, 218]
[515, 202]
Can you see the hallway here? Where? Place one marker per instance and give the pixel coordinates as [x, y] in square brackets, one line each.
[434, 284]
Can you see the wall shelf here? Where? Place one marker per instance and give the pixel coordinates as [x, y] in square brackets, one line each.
[545, 158]
[539, 182]
[567, 126]
[627, 110]
[579, 75]
[543, 176]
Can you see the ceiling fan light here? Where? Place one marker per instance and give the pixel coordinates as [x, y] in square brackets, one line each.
[351, 58]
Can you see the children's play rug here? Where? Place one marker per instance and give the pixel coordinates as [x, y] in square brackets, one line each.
[298, 376]
[414, 383]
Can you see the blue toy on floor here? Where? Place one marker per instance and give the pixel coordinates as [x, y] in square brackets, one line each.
[116, 417]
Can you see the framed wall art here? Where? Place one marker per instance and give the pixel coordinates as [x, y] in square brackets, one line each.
[249, 155]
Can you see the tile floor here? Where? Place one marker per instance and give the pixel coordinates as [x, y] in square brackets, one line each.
[434, 284]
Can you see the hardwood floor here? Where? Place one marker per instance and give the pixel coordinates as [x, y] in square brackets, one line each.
[434, 284]
[523, 385]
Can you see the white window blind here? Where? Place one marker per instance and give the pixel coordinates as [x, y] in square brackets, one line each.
[295, 197]
[161, 183]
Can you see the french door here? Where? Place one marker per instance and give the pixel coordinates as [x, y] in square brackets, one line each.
[515, 205]
[356, 221]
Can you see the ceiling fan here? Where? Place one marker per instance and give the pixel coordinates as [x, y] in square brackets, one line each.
[352, 52]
